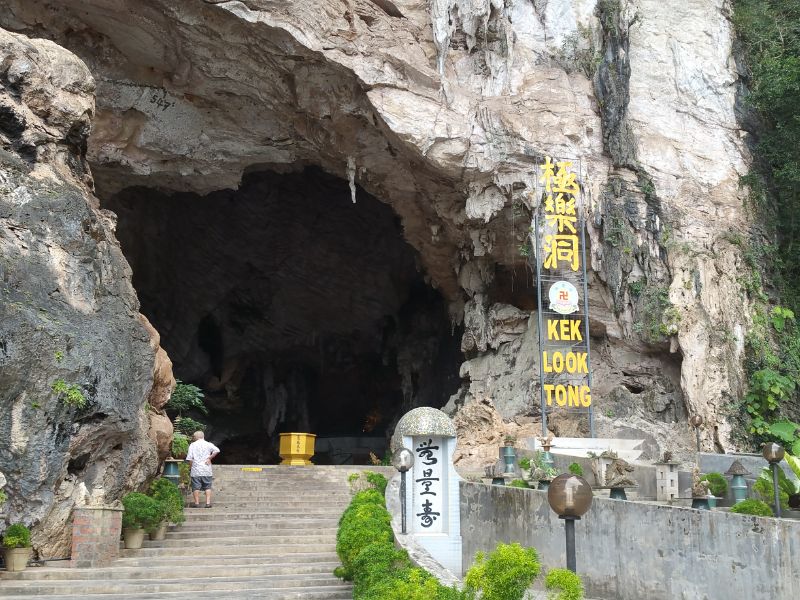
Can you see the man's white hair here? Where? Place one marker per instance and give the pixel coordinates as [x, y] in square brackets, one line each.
[198, 435]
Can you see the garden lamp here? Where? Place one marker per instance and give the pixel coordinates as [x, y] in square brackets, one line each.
[570, 496]
[738, 484]
[774, 454]
[403, 460]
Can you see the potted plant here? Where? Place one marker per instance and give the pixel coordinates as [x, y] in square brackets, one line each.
[179, 448]
[717, 485]
[525, 467]
[17, 547]
[170, 500]
[141, 514]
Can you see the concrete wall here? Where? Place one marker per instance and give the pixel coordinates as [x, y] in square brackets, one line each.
[637, 551]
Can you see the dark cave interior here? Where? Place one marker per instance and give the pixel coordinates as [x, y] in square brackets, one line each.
[292, 308]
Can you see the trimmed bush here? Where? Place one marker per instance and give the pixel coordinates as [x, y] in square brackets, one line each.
[169, 498]
[378, 481]
[576, 469]
[752, 506]
[180, 445]
[519, 483]
[504, 574]
[141, 512]
[17, 536]
[563, 584]
[766, 492]
[717, 484]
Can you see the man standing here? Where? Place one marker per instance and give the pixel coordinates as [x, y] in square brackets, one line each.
[200, 455]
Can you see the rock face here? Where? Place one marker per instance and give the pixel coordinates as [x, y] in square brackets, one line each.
[442, 109]
[76, 359]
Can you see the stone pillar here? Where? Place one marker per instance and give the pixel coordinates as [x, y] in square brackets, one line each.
[432, 493]
[96, 532]
[666, 481]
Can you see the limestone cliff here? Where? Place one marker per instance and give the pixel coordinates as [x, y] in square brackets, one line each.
[441, 109]
[77, 360]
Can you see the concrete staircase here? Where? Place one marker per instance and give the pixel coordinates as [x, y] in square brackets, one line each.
[271, 535]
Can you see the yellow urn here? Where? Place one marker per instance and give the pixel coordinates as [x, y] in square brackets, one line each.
[297, 448]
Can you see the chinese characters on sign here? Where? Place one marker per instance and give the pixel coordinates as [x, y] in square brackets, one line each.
[428, 489]
[561, 272]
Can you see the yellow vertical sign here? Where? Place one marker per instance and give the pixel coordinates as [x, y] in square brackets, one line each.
[563, 334]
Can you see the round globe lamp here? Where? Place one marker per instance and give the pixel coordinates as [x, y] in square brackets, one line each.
[696, 421]
[403, 461]
[570, 496]
[773, 453]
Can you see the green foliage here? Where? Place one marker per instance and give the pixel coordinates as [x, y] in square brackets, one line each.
[576, 469]
[17, 536]
[563, 584]
[185, 470]
[377, 480]
[752, 507]
[59, 356]
[519, 483]
[525, 463]
[353, 477]
[503, 575]
[787, 432]
[379, 571]
[180, 445]
[3, 498]
[717, 484]
[187, 425]
[765, 488]
[69, 394]
[141, 512]
[186, 397]
[769, 31]
[170, 500]
[658, 319]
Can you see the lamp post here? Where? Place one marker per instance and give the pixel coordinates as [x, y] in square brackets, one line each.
[774, 454]
[696, 421]
[570, 497]
[403, 460]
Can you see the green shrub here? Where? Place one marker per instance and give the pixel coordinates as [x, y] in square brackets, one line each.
[717, 484]
[519, 483]
[185, 470]
[3, 498]
[375, 560]
[180, 445]
[186, 397]
[362, 524]
[505, 574]
[17, 536]
[141, 512]
[765, 489]
[752, 507]
[170, 498]
[525, 463]
[563, 584]
[70, 395]
[576, 469]
[187, 425]
[378, 481]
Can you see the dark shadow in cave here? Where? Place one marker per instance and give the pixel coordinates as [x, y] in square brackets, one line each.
[293, 308]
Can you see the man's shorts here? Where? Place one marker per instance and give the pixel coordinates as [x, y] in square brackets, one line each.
[201, 483]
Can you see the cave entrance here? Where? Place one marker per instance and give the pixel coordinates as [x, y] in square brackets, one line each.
[293, 309]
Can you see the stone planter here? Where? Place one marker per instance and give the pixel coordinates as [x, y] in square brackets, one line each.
[296, 449]
[17, 558]
[134, 538]
[159, 533]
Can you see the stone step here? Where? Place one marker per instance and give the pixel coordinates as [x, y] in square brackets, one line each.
[336, 592]
[249, 549]
[235, 540]
[149, 585]
[268, 495]
[201, 534]
[187, 571]
[278, 524]
[212, 514]
[290, 505]
[230, 560]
